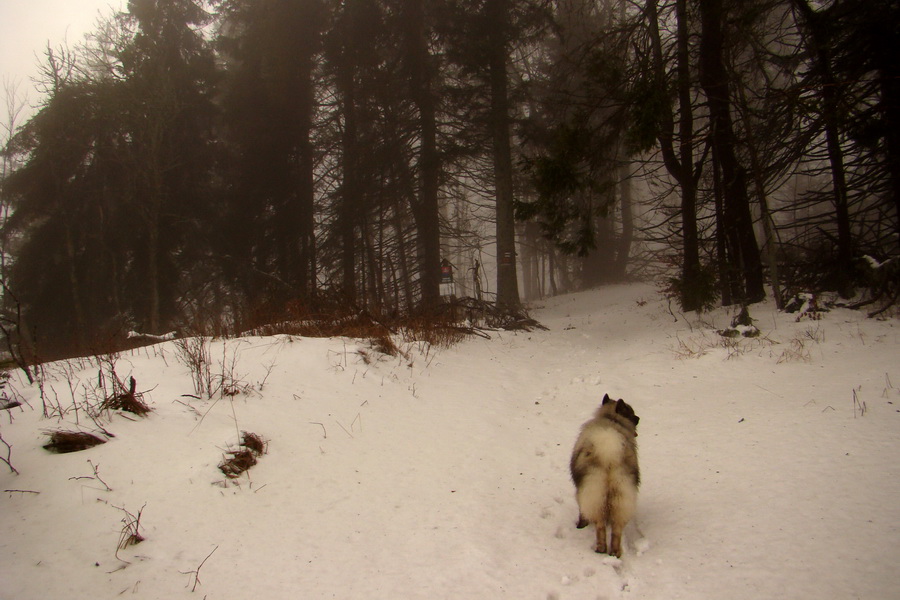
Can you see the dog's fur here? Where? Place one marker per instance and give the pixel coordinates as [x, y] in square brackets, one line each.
[605, 471]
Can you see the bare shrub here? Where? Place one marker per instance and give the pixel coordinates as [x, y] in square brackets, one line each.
[193, 353]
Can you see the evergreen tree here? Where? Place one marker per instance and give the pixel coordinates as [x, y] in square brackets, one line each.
[273, 52]
[168, 72]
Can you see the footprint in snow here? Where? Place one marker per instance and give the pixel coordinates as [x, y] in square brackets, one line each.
[641, 545]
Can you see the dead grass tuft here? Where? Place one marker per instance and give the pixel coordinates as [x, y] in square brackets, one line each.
[63, 442]
[254, 443]
[442, 325]
[127, 400]
[237, 462]
[131, 531]
[251, 447]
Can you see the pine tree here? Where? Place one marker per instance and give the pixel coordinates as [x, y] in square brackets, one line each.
[273, 51]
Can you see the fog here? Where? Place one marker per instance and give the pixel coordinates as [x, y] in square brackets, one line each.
[26, 26]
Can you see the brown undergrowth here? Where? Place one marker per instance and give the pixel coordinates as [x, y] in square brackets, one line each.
[246, 455]
[63, 442]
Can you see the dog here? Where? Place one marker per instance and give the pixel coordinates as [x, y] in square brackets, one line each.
[605, 470]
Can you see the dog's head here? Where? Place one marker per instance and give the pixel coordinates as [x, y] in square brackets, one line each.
[618, 407]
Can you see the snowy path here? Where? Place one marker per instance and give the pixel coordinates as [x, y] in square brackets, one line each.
[448, 478]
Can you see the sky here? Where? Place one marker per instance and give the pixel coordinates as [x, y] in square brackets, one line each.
[27, 25]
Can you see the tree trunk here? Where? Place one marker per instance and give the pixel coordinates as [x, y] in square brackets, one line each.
[306, 243]
[626, 237]
[765, 214]
[738, 220]
[817, 41]
[349, 196]
[727, 285]
[680, 165]
[890, 102]
[425, 207]
[507, 279]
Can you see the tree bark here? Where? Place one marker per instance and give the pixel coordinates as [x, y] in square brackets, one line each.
[306, 242]
[507, 279]
[626, 237]
[817, 41]
[680, 165]
[738, 220]
[425, 206]
[349, 195]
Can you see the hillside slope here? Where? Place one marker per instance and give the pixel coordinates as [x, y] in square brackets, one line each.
[769, 465]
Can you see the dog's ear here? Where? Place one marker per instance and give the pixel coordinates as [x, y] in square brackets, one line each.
[606, 399]
[624, 409]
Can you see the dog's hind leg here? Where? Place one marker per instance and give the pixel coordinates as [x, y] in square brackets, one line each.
[600, 548]
[622, 500]
[615, 544]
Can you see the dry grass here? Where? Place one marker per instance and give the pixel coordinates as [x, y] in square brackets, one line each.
[63, 442]
[127, 400]
[237, 461]
[444, 325]
[131, 531]
[254, 443]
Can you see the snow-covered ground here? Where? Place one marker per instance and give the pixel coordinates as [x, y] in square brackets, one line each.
[770, 466]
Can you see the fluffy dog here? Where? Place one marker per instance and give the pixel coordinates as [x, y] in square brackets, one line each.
[605, 470]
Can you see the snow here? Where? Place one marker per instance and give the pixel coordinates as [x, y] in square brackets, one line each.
[769, 465]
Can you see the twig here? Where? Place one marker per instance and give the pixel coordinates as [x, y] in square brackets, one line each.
[20, 492]
[861, 405]
[96, 476]
[196, 572]
[268, 372]
[200, 422]
[130, 534]
[8, 455]
[344, 428]
[672, 313]
[324, 431]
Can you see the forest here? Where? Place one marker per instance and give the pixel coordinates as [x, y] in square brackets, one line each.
[210, 166]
